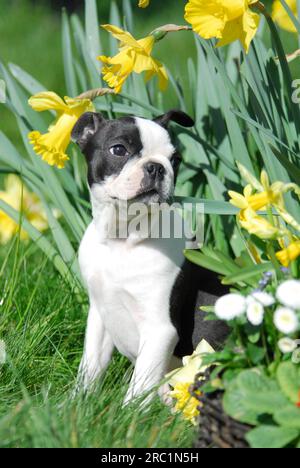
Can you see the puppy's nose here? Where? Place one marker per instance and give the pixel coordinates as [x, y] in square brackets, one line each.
[155, 170]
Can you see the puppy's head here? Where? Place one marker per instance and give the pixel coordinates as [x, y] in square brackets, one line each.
[130, 158]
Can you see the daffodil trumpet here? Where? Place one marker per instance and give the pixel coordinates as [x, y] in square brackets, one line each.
[52, 145]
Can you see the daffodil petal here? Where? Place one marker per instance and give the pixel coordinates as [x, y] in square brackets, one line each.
[207, 17]
[47, 100]
[123, 36]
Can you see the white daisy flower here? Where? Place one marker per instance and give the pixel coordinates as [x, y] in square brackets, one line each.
[286, 345]
[288, 293]
[2, 352]
[266, 299]
[286, 320]
[230, 306]
[255, 312]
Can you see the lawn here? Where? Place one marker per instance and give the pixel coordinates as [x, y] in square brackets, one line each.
[243, 148]
[42, 324]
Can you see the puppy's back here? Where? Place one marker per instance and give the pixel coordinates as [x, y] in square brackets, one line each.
[196, 287]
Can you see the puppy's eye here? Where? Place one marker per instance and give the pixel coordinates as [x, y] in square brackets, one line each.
[118, 150]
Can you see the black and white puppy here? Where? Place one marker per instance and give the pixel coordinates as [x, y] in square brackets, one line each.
[143, 294]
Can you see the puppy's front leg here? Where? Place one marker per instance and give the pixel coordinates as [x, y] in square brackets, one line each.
[157, 345]
[98, 349]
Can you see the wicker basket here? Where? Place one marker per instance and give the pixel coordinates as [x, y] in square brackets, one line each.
[217, 429]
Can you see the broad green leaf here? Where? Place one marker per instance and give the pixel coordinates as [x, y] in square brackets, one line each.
[288, 417]
[271, 437]
[288, 377]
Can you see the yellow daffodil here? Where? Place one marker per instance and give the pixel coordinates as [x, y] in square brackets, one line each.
[281, 17]
[181, 380]
[18, 197]
[186, 403]
[267, 195]
[134, 56]
[248, 200]
[289, 254]
[226, 20]
[249, 220]
[144, 3]
[52, 146]
[257, 225]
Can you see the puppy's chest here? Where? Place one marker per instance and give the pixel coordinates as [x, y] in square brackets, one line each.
[126, 278]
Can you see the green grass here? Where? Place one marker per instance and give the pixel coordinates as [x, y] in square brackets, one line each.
[42, 323]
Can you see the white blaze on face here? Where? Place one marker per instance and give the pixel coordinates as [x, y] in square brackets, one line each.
[156, 148]
[156, 141]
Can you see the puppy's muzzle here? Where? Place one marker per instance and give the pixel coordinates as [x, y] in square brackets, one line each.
[154, 171]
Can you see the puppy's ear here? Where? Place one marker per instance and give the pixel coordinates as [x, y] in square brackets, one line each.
[86, 126]
[177, 116]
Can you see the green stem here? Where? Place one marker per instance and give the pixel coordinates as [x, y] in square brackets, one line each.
[276, 264]
[265, 345]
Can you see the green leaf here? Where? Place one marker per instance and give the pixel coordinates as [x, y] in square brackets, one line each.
[271, 437]
[291, 168]
[255, 353]
[288, 377]
[210, 206]
[198, 258]
[234, 404]
[92, 31]
[68, 61]
[288, 417]
[248, 273]
[258, 395]
[41, 241]
[27, 81]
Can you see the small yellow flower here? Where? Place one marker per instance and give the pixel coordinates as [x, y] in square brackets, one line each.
[18, 197]
[289, 254]
[134, 56]
[181, 379]
[257, 225]
[249, 220]
[226, 20]
[52, 146]
[144, 3]
[281, 17]
[186, 403]
[267, 195]
[256, 202]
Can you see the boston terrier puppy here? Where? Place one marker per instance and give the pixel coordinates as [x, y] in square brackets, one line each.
[144, 296]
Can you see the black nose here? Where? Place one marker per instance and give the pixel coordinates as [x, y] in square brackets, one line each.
[155, 170]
